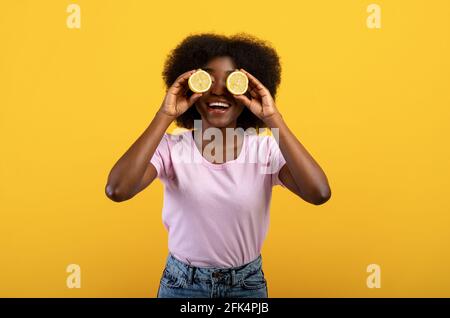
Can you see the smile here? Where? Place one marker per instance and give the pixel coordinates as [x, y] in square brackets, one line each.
[218, 107]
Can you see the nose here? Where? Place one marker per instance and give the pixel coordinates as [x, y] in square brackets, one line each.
[218, 86]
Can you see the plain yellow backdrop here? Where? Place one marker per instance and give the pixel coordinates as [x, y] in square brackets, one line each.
[371, 105]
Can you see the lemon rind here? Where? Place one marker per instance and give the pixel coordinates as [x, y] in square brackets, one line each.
[229, 86]
[192, 88]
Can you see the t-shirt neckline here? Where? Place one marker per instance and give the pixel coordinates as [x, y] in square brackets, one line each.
[218, 165]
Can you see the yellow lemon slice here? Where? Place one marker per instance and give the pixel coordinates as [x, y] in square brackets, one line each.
[200, 81]
[237, 83]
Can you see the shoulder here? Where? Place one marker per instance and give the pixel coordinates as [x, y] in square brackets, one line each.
[176, 137]
[256, 141]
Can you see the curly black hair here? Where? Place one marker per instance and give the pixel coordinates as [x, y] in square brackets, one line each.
[248, 52]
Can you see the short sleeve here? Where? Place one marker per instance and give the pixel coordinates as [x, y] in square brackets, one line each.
[276, 161]
[161, 159]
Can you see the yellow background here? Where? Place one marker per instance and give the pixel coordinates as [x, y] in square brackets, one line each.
[372, 106]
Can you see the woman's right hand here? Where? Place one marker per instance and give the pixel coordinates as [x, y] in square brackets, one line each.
[176, 101]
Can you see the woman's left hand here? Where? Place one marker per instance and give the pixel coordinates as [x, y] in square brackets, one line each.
[261, 103]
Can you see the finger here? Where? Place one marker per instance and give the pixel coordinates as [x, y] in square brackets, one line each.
[194, 98]
[243, 99]
[254, 93]
[185, 75]
[251, 85]
[181, 80]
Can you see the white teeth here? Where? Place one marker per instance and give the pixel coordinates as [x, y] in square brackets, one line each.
[219, 104]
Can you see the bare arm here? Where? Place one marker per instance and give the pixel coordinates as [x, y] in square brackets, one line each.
[301, 174]
[133, 171]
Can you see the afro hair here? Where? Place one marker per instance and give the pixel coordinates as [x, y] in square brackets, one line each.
[248, 52]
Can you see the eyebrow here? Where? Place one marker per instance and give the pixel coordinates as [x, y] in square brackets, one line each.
[211, 69]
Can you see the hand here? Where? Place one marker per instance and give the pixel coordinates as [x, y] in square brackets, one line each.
[176, 101]
[261, 103]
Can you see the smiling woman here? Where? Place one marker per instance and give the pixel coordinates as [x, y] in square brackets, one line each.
[216, 235]
[243, 51]
[218, 107]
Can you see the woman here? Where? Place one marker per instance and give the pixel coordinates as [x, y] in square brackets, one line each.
[216, 195]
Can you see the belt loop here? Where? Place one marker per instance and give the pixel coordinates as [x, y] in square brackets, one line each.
[191, 274]
[233, 277]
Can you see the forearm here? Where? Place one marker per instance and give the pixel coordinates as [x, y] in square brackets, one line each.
[309, 177]
[127, 173]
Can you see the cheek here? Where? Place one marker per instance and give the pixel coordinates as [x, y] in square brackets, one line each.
[198, 108]
[239, 108]
[199, 105]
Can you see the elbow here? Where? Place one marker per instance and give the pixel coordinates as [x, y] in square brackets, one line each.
[322, 196]
[113, 193]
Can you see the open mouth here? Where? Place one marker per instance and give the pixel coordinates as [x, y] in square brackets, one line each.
[218, 107]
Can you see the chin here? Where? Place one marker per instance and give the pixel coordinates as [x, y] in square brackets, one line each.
[219, 123]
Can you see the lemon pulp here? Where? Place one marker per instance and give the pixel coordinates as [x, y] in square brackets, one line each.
[200, 81]
[237, 83]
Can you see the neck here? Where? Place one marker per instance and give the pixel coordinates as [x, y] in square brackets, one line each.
[231, 143]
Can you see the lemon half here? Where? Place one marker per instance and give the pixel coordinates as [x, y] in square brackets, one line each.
[200, 81]
[237, 83]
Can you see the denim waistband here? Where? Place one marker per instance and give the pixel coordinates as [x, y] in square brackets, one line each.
[231, 275]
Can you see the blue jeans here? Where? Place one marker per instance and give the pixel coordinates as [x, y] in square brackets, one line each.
[180, 280]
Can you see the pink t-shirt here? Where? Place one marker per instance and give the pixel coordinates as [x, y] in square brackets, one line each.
[217, 215]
